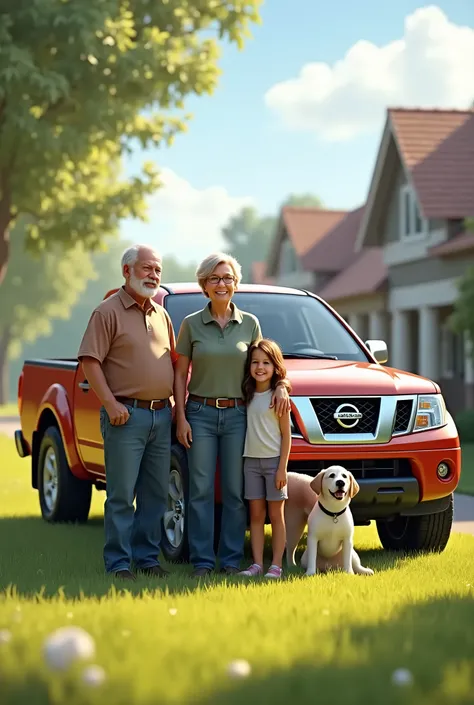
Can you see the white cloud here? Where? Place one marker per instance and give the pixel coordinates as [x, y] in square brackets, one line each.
[431, 66]
[186, 221]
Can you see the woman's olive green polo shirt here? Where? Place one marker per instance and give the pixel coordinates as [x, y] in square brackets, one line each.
[218, 355]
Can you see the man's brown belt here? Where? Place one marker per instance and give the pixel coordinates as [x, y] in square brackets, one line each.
[153, 404]
[219, 403]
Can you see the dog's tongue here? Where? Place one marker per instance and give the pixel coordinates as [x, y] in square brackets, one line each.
[339, 493]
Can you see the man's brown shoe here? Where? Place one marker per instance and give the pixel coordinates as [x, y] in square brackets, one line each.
[124, 575]
[155, 571]
[201, 572]
[229, 570]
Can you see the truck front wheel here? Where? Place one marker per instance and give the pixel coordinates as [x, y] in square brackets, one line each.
[63, 497]
[428, 532]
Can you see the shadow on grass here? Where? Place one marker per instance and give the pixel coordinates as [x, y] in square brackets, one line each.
[36, 556]
[431, 639]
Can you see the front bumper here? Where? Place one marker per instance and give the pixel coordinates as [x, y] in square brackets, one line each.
[395, 478]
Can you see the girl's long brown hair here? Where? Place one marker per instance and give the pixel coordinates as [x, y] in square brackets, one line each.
[273, 352]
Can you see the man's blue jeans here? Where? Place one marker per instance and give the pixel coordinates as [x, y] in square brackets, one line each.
[137, 465]
[216, 433]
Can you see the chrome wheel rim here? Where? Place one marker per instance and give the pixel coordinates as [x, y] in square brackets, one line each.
[50, 479]
[173, 519]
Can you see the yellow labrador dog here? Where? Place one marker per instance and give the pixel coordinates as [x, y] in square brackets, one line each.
[330, 524]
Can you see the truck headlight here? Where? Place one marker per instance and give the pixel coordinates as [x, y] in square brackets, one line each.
[430, 413]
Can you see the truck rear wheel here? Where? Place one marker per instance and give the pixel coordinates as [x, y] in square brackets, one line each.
[429, 532]
[63, 497]
[174, 542]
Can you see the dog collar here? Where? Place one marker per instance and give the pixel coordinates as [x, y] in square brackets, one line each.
[334, 515]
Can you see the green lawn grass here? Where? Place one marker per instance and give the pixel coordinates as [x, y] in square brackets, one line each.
[331, 640]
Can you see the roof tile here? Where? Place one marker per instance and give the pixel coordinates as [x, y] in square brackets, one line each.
[335, 250]
[364, 276]
[437, 147]
[306, 226]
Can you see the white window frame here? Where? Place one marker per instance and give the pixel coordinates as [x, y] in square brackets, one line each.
[406, 191]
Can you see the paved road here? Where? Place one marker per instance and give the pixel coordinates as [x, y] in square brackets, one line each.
[463, 505]
[9, 424]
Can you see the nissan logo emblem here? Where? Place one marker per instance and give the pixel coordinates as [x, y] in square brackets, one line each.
[347, 415]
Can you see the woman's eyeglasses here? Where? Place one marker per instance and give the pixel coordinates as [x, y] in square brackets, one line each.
[227, 279]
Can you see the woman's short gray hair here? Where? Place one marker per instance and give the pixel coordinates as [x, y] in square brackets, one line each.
[209, 263]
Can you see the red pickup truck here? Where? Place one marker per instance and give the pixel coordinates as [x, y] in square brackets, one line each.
[390, 428]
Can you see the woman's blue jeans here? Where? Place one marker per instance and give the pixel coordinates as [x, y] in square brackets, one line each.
[216, 433]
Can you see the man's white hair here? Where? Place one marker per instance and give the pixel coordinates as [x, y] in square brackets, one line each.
[130, 256]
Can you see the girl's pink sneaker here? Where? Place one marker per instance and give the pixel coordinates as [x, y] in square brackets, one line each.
[254, 570]
[273, 572]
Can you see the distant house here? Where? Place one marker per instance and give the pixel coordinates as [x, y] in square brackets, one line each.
[422, 190]
[391, 267]
[298, 231]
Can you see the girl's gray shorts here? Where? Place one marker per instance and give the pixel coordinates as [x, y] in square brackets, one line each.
[259, 476]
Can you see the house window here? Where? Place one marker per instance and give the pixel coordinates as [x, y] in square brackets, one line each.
[412, 225]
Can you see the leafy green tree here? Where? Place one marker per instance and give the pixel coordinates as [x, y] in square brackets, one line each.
[61, 338]
[37, 290]
[303, 200]
[81, 83]
[462, 318]
[248, 234]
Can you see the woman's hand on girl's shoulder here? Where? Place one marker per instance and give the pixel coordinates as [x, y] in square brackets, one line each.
[280, 401]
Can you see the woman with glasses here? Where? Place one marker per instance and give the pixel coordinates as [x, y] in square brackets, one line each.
[212, 424]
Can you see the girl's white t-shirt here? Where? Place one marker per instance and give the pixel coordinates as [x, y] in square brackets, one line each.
[263, 439]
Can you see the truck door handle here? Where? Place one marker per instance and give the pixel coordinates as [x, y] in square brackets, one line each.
[85, 386]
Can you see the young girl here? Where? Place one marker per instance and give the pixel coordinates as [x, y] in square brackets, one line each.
[266, 451]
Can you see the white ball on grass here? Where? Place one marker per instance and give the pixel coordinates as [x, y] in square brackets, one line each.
[5, 636]
[239, 668]
[402, 676]
[66, 645]
[173, 611]
[93, 675]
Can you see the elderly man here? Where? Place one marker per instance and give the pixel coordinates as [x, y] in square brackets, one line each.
[127, 354]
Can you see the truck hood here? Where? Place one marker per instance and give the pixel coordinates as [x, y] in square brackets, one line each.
[344, 377]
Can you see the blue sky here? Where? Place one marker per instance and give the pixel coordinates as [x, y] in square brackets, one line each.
[238, 145]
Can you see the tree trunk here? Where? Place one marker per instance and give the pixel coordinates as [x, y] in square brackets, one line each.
[4, 379]
[4, 253]
[5, 219]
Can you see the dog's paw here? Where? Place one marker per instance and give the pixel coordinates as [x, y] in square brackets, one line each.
[367, 571]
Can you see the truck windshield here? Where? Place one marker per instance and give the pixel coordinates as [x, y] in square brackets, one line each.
[301, 325]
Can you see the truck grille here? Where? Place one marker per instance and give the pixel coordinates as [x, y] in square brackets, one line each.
[403, 415]
[367, 406]
[376, 469]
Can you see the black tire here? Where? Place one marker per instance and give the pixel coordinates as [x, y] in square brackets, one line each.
[176, 548]
[72, 499]
[173, 550]
[429, 532]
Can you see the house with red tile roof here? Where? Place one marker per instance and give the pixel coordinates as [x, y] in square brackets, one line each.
[391, 267]
[298, 231]
[421, 192]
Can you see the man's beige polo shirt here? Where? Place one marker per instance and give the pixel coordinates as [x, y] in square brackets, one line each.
[218, 355]
[136, 349]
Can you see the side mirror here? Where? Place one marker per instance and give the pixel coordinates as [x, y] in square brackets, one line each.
[378, 348]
